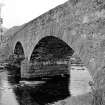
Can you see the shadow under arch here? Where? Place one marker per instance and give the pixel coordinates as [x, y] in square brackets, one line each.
[51, 53]
[14, 65]
[54, 54]
[56, 48]
[18, 52]
[18, 45]
[17, 55]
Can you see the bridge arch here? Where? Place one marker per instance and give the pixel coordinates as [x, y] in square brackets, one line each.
[53, 40]
[56, 48]
[51, 55]
[18, 51]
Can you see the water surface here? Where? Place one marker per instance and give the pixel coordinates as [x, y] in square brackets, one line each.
[79, 81]
[14, 93]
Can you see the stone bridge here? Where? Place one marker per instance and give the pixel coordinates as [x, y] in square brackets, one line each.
[80, 24]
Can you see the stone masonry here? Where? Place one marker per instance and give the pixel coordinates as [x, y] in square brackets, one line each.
[79, 23]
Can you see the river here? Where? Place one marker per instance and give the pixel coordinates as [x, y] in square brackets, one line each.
[13, 93]
[79, 81]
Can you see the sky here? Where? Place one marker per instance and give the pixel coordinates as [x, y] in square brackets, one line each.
[18, 12]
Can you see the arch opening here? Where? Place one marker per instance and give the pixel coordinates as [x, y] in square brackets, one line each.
[51, 48]
[14, 63]
[50, 52]
[18, 53]
[51, 58]
[17, 56]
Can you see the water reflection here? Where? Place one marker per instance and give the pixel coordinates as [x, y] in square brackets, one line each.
[7, 94]
[14, 76]
[12, 92]
[40, 93]
[79, 81]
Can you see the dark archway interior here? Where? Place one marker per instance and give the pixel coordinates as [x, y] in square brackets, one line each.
[17, 56]
[51, 48]
[14, 64]
[18, 53]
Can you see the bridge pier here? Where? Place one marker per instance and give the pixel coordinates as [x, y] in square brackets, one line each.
[25, 68]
